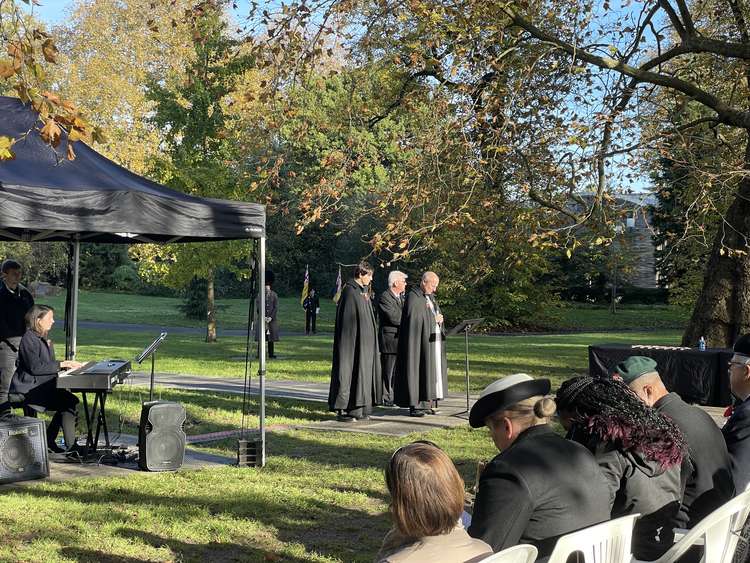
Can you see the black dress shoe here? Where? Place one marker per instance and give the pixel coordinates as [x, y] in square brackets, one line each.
[345, 418]
[416, 413]
[432, 411]
[54, 448]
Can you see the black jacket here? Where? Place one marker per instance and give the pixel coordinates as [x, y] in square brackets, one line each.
[709, 484]
[638, 485]
[36, 364]
[737, 436]
[538, 489]
[13, 308]
[389, 313]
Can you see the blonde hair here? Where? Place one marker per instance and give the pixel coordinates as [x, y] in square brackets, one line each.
[527, 413]
[427, 493]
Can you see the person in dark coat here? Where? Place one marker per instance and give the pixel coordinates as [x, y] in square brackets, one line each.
[311, 305]
[709, 484]
[540, 486]
[639, 450]
[737, 429]
[355, 371]
[422, 367]
[272, 311]
[36, 377]
[15, 302]
[390, 306]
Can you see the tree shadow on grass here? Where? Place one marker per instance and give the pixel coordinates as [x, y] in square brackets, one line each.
[214, 552]
[94, 556]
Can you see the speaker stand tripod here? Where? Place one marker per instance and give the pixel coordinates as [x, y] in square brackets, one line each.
[465, 326]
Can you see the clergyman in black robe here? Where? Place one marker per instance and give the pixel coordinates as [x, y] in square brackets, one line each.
[355, 373]
[422, 370]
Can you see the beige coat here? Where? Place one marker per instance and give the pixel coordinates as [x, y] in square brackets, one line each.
[454, 547]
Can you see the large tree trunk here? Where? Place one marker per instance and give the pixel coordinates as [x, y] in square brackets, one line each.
[722, 312]
[211, 309]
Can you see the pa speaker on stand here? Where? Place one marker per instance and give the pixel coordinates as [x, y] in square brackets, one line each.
[23, 450]
[161, 439]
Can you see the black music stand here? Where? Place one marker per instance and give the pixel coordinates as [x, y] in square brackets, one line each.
[465, 326]
[150, 350]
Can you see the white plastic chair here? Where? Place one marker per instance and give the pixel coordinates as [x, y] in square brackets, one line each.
[608, 542]
[517, 554]
[718, 533]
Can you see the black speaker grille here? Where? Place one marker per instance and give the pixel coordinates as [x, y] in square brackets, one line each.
[23, 450]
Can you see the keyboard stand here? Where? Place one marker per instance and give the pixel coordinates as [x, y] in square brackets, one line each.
[97, 414]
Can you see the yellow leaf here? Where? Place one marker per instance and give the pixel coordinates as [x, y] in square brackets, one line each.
[5, 148]
[568, 252]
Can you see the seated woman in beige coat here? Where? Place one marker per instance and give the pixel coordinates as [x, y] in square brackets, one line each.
[427, 499]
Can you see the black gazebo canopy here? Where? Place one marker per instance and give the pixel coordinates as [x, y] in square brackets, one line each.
[44, 196]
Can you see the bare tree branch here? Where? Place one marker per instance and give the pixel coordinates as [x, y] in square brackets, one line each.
[687, 19]
[676, 23]
[725, 114]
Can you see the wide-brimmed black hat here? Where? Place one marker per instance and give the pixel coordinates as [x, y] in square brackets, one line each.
[505, 392]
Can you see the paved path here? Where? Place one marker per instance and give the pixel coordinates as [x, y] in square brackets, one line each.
[385, 421]
[156, 329]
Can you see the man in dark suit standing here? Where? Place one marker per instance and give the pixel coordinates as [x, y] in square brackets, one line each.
[15, 301]
[390, 304]
[737, 429]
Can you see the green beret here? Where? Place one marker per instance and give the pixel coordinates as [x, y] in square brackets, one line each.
[634, 367]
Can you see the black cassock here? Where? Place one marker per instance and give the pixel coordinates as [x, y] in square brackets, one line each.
[417, 370]
[355, 373]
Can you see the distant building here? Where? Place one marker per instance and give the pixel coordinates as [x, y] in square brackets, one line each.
[638, 234]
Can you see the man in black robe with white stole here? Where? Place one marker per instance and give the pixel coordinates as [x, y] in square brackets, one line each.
[355, 373]
[422, 372]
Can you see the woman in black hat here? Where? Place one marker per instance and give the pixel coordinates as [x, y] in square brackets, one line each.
[540, 486]
[639, 450]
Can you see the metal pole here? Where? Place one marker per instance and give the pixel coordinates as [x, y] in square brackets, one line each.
[74, 300]
[466, 352]
[262, 347]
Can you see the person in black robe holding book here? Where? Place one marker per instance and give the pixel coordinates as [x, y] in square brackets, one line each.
[355, 372]
[422, 369]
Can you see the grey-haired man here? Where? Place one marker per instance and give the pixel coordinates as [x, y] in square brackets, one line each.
[390, 305]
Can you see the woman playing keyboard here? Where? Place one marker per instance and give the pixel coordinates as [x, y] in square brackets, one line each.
[36, 374]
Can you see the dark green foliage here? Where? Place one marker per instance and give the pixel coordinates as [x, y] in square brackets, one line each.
[681, 238]
[194, 299]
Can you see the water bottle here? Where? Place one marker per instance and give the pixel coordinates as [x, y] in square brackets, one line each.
[702, 344]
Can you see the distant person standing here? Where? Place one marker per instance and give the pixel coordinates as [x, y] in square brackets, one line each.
[390, 306]
[422, 370]
[355, 371]
[311, 305]
[15, 302]
[272, 310]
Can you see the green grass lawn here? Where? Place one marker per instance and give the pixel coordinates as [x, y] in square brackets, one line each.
[309, 358]
[165, 312]
[320, 498]
[579, 316]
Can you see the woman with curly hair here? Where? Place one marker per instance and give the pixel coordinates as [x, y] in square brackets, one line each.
[639, 451]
